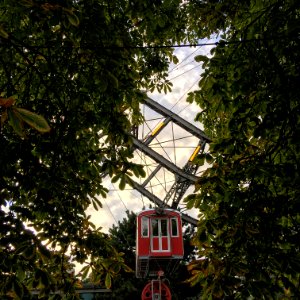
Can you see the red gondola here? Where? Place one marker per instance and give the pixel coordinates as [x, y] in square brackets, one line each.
[159, 243]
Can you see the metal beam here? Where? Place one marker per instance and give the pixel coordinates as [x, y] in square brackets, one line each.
[176, 119]
[152, 175]
[180, 185]
[156, 131]
[164, 162]
[160, 203]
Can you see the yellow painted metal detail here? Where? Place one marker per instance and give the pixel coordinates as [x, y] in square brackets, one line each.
[157, 128]
[196, 151]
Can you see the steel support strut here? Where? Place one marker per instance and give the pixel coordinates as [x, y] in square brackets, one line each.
[184, 177]
[160, 203]
[195, 131]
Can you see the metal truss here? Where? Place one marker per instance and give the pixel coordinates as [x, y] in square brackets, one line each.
[184, 176]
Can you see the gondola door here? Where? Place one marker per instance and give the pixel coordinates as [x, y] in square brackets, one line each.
[160, 237]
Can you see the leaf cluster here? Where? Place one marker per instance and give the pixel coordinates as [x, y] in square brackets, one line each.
[75, 67]
[248, 199]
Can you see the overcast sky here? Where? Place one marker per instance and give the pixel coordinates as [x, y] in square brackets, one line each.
[185, 77]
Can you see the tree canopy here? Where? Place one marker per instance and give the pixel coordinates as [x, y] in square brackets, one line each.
[248, 233]
[70, 88]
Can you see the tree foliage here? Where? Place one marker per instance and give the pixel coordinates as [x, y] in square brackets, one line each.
[71, 75]
[248, 234]
[70, 80]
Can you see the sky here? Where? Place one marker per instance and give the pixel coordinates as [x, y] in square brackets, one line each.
[185, 77]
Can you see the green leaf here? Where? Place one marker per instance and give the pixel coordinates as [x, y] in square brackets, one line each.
[32, 119]
[96, 203]
[44, 279]
[20, 273]
[190, 203]
[122, 182]
[175, 59]
[3, 33]
[141, 171]
[44, 252]
[113, 80]
[73, 19]
[201, 58]
[129, 180]
[209, 158]
[116, 178]
[84, 272]
[161, 22]
[27, 3]
[29, 252]
[135, 171]
[199, 159]
[103, 193]
[18, 289]
[15, 120]
[4, 117]
[115, 268]
[108, 281]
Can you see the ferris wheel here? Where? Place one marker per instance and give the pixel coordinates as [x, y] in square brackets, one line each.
[159, 241]
[166, 144]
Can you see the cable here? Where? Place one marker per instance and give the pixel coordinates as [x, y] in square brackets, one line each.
[185, 72]
[184, 95]
[128, 245]
[160, 183]
[168, 141]
[188, 63]
[110, 211]
[92, 46]
[149, 172]
[158, 142]
[154, 119]
[143, 158]
[177, 147]
[176, 67]
[120, 197]
[131, 189]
